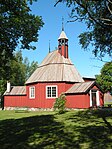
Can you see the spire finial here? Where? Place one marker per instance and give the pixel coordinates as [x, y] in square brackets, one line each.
[49, 47]
[62, 24]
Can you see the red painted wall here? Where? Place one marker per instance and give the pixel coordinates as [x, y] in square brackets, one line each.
[81, 100]
[77, 101]
[15, 101]
[40, 100]
[101, 99]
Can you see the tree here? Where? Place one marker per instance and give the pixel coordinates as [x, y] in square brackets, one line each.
[97, 14]
[20, 70]
[30, 68]
[105, 78]
[17, 26]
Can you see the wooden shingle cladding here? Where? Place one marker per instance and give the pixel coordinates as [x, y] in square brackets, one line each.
[55, 68]
[17, 90]
[79, 88]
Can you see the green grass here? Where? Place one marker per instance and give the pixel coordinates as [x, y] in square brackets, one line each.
[4, 115]
[108, 104]
[82, 129]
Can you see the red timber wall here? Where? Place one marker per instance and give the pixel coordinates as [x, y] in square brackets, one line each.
[40, 100]
[78, 101]
[82, 100]
[101, 98]
[15, 101]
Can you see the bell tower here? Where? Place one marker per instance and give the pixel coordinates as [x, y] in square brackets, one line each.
[63, 43]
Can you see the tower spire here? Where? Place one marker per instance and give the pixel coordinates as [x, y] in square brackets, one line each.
[63, 43]
[49, 47]
[62, 24]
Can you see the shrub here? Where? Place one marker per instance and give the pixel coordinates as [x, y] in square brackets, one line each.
[60, 103]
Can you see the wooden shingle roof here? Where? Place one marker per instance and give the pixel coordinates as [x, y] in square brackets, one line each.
[80, 87]
[17, 90]
[55, 68]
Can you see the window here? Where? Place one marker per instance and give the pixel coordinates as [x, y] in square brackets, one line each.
[51, 91]
[32, 92]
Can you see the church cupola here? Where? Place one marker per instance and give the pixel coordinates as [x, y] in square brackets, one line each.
[63, 43]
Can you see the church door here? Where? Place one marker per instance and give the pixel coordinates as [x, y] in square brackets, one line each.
[94, 98]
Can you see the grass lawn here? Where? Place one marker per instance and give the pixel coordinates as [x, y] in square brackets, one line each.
[107, 104]
[79, 129]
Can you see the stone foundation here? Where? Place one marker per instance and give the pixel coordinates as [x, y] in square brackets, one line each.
[27, 108]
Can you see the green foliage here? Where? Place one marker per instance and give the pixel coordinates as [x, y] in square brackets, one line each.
[32, 68]
[97, 14]
[2, 86]
[29, 67]
[17, 26]
[60, 104]
[105, 78]
[20, 71]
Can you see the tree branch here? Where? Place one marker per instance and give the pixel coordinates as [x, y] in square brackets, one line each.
[57, 3]
[75, 18]
[109, 7]
[109, 1]
[100, 59]
[108, 20]
[89, 14]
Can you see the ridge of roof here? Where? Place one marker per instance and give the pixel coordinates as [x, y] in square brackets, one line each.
[55, 63]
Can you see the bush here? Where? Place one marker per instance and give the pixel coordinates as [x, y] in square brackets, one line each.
[60, 103]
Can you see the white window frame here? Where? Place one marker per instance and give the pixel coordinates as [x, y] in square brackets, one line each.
[32, 92]
[51, 91]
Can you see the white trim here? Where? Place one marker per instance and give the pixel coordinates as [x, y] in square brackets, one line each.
[51, 91]
[8, 87]
[90, 99]
[97, 98]
[30, 92]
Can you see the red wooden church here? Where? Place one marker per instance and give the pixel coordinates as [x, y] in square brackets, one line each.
[55, 75]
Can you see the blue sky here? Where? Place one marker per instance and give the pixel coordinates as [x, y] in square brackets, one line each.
[52, 16]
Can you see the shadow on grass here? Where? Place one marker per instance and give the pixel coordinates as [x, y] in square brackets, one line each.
[34, 132]
[78, 130]
[93, 129]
